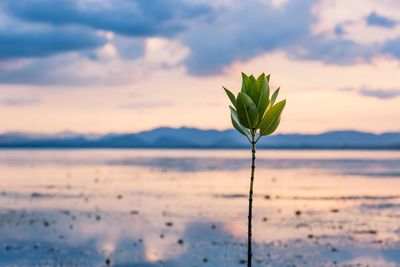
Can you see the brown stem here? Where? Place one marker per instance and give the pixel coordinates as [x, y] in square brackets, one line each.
[249, 233]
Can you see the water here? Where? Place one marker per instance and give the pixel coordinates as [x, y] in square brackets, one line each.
[147, 208]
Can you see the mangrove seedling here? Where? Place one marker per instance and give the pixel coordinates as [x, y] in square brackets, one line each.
[254, 114]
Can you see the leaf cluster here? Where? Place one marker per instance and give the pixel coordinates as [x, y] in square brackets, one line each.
[254, 110]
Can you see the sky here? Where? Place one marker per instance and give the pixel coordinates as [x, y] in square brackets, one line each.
[99, 66]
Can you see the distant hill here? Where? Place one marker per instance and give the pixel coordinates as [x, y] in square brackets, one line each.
[196, 138]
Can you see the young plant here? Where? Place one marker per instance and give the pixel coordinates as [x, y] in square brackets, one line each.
[254, 114]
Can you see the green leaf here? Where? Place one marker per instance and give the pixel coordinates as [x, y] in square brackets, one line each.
[253, 91]
[247, 111]
[260, 81]
[263, 100]
[274, 96]
[236, 124]
[273, 127]
[272, 118]
[245, 83]
[231, 96]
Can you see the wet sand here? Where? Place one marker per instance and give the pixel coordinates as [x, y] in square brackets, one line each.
[188, 208]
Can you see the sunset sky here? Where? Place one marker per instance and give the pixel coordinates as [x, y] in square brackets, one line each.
[97, 66]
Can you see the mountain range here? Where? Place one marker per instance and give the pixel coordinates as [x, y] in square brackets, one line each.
[184, 137]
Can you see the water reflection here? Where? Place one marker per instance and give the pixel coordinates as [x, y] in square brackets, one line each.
[188, 208]
[365, 163]
[199, 243]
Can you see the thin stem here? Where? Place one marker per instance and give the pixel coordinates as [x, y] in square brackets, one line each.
[249, 233]
[248, 138]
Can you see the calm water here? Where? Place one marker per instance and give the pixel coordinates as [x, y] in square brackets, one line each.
[183, 208]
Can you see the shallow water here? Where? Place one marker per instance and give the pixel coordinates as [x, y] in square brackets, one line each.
[147, 208]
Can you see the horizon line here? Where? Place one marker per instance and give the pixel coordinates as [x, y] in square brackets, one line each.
[187, 127]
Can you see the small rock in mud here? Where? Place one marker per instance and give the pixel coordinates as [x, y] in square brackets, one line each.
[36, 195]
[370, 232]
[298, 213]
[169, 224]
[180, 242]
[65, 212]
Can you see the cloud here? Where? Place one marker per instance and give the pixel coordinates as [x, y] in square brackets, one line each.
[374, 19]
[141, 18]
[46, 42]
[339, 30]
[244, 30]
[380, 93]
[19, 101]
[74, 25]
[129, 48]
[107, 34]
[103, 66]
[383, 94]
[336, 51]
[255, 27]
[67, 70]
[146, 105]
[392, 47]
[43, 71]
